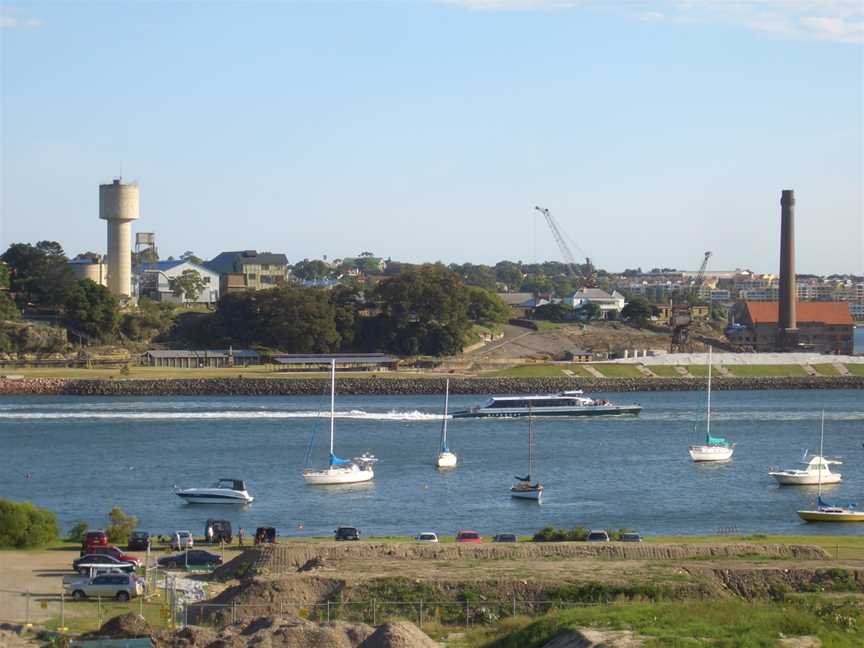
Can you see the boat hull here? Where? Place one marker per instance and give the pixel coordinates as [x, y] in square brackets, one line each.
[602, 410]
[446, 460]
[831, 516]
[784, 479]
[534, 494]
[203, 497]
[710, 453]
[337, 476]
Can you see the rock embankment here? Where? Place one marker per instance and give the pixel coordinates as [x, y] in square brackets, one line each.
[377, 386]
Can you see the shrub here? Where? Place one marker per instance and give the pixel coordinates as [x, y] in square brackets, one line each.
[76, 533]
[24, 525]
[121, 526]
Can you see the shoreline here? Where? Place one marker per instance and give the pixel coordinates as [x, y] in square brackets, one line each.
[374, 386]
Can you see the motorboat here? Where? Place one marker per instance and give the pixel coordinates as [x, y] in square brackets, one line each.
[714, 448]
[524, 488]
[566, 403]
[816, 469]
[825, 511]
[339, 471]
[445, 458]
[224, 491]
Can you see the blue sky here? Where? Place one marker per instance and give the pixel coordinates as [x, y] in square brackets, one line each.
[427, 131]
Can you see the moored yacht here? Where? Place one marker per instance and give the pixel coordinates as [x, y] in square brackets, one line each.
[225, 491]
[566, 403]
[816, 470]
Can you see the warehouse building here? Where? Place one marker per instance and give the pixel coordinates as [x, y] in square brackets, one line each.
[824, 327]
[200, 359]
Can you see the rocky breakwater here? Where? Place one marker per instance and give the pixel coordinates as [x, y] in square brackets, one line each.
[393, 385]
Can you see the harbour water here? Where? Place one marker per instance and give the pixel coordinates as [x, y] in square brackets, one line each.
[81, 456]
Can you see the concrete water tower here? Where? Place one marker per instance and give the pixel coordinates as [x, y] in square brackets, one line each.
[118, 204]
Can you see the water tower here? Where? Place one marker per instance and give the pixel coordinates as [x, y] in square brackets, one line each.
[118, 204]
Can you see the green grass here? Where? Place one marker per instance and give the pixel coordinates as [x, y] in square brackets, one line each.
[724, 623]
[543, 325]
[618, 370]
[768, 371]
[541, 371]
[826, 369]
[664, 371]
[856, 369]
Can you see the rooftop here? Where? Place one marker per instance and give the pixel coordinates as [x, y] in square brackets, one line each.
[831, 313]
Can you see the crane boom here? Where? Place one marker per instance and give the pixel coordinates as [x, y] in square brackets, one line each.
[559, 238]
[700, 277]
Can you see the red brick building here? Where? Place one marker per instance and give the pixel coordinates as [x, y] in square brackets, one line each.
[824, 327]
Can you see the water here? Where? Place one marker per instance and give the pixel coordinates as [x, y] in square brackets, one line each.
[858, 340]
[85, 455]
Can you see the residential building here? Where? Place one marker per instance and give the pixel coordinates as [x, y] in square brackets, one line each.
[825, 327]
[608, 303]
[249, 270]
[153, 280]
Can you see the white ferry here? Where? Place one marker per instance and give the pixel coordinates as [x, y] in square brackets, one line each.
[567, 403]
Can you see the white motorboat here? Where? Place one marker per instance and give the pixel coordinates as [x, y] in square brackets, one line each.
[817, 468]
[225, 491]
[714, 448]
[445, 458]
[523, 488]
[568, 403]
[340, 471]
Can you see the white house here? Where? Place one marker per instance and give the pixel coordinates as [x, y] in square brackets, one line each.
[607, 303]
[152, 280]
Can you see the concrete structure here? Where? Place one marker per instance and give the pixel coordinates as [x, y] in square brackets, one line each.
[344, 361]
[198, 359]
[823, 327]
[153, 280]
[257, 271]
[787, 327]
[89, 268]
[119, 205]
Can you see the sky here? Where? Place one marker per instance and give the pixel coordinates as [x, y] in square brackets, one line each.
[428, 131]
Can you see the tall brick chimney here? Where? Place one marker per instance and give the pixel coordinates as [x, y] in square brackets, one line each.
[787, 323]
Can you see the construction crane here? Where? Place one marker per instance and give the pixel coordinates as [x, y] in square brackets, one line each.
[681, 316]
[586, 277]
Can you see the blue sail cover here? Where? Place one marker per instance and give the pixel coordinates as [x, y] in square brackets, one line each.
[822, 503]
[444, 448]
[715, 441]
[336, 461]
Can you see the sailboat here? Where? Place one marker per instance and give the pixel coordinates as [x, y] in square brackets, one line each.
[523, 488]
[714, 448]
[340, 471]
[824, 511]
[446, 459]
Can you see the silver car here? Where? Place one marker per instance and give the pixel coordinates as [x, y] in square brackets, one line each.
[121, 587]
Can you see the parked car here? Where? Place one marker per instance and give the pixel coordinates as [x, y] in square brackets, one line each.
[469, 536]
[631, 536]
[505, 537]
[182, 540]
[93, 539]
[597, 536]
[347, 533]
[83, 564]
[426, 536]
[265, 535]
[139, 541]
[192, 558]
[221, 531]
[121, 587]
[111, 550]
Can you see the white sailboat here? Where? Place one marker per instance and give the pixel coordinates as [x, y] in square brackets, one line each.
[714, 448]
[523, 488]
[340, 471]
[445, 459]
[825, 512]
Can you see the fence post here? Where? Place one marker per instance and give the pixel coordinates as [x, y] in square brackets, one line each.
[466, 615]
[233, 611]
[328, 610]
[421, 614]
[99, 610]
[27, 623]
[280, 608]
[514, 605]
[374, 612]
[185, 614]
[62, 612]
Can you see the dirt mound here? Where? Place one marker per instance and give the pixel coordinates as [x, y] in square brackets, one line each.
[596, 639]
[261, 597]
[275, 632]
[775, 583]
[124, 626]
[243, 566]
[10, 637]
[398, 634]
[188, 637]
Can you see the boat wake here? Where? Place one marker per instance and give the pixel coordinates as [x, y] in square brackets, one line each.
[392, 415]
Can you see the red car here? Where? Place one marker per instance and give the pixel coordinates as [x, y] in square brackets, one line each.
[114, 552]
[93, 539]
[469, 536]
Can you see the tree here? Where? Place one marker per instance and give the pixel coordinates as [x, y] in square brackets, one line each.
[146, 256]
[637, 310]
[8, 309]
[151, 319]
[39, 274]
[5, 276]
[590, 311]
[189, 256]
[476, 275]
[92, 308]
[188, 285]
[121, 526]
[559, 312]
[510, 274]
[315, 269]
[23, 525]
[485, 306]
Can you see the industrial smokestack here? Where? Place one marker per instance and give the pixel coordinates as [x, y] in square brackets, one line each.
[787, 322]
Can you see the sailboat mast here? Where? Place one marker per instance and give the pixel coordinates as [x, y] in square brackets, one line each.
[821, 460]
[708, 424]
[332, 401]
[444, 420]
[530, 443]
